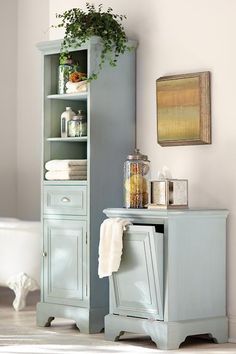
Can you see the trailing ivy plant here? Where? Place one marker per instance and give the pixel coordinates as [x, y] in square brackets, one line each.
[80, 25]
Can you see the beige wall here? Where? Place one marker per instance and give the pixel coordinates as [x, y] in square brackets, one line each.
[8, 92]
[179, 36]
[32, 27]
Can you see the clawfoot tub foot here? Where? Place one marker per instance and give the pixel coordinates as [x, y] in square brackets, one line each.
[21, 284]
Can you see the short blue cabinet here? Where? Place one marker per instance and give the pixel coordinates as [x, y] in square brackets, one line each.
[172, 278]
[72, 209]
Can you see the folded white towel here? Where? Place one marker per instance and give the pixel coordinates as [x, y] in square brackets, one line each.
[64, 164]
[111, 245]
[67, 175]
[76, 169]
[73, 87]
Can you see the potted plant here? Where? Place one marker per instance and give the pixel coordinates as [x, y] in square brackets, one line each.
[81, 25]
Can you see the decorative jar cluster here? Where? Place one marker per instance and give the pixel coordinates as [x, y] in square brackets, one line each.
[136, 180]
[71, 79]
[73, 125]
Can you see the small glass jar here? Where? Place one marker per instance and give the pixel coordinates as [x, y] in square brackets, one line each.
[136, 180]
[77, 126]
[83, 123]
[64, 70]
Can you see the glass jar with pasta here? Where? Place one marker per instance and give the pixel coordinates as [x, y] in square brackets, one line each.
[136, 180]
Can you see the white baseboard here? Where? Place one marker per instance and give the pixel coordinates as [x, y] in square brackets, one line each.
[232, 329]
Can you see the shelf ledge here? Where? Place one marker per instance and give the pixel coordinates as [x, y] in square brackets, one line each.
[80, 96]
[70, 139]
[73, 182]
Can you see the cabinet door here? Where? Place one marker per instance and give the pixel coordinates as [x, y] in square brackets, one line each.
[137, 287]
[64, 261]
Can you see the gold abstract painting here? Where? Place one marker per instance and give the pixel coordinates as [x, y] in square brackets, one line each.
[183, 109]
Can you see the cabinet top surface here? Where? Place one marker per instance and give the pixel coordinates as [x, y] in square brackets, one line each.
[163, 213]
[54, 46]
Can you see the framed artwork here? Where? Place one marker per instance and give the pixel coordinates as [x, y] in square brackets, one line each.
[184, 109]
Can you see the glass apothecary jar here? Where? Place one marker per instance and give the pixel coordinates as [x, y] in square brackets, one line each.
[64, 70]
[136, 180]
[77, 126]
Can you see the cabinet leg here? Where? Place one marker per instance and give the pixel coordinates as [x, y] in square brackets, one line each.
[90, 324]
[89, 328]
[44, 321]
[218, 330]
[164, 336]
[112, 335]
[219, 337]
[165, 343]
[112, 328]
[83, 328]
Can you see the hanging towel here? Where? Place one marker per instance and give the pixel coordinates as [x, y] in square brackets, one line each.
[65, 175]
[111, 245]
[64, 164]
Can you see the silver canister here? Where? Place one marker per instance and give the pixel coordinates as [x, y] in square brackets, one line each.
[169, 193]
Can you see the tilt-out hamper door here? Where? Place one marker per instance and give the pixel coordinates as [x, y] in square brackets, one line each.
[64, 261]
[137, 287]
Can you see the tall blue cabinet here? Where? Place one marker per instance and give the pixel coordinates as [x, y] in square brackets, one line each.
[72, 210]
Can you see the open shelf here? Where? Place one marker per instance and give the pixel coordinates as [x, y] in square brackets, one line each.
[64, 150]
[80, 96]
[69, 139]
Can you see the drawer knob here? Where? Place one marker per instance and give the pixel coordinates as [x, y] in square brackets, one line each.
[65, 200]
[44, 254]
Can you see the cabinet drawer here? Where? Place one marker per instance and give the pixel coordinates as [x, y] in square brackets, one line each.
[65, 200]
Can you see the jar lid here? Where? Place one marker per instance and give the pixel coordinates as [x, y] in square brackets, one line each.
[137, 156]
[67, 60]
[76, 118]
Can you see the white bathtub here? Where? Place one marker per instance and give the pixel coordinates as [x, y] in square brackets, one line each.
[19, 257]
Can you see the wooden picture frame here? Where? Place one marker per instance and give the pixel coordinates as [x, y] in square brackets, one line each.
[183, 109]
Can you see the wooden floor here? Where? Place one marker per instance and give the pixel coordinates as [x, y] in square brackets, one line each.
[19, 334]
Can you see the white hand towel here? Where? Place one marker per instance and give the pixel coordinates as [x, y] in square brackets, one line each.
[64, 164]
[111, 245]
[65, 175]
[71, 169]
